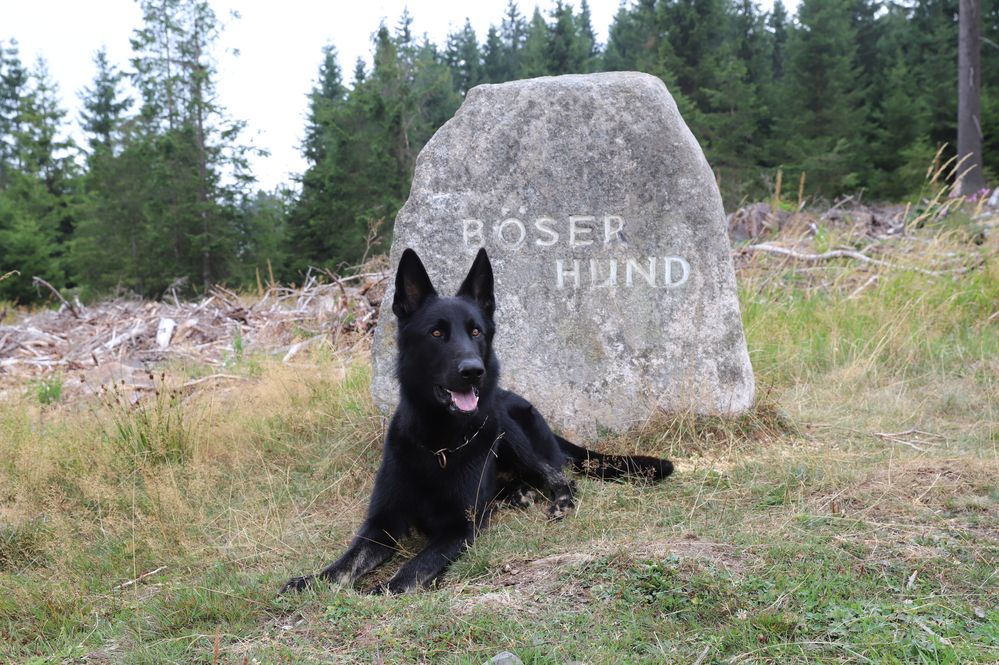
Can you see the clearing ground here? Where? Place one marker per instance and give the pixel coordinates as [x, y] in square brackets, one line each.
[851, 516]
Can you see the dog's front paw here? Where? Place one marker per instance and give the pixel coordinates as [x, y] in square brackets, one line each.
[520, 498]
[393, 587]
[560, 507]
[298, 584]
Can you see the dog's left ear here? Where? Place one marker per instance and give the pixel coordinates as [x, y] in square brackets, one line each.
[412, 285]
[478, 285]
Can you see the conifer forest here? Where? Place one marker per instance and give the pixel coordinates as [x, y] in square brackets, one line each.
[857, 95]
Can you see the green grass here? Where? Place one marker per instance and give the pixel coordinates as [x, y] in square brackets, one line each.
[149, 532]
[49, 389]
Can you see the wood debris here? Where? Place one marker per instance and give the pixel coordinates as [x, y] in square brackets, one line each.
[118, 341]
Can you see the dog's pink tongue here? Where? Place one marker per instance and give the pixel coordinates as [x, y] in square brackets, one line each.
[465, 401]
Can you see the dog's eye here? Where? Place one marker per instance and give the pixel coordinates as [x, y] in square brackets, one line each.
[436, 332]
[476, 332]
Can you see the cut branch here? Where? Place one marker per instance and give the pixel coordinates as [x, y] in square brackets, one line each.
[55, 292]
[897, 437]
[850, 254]
[214, 377]
[141, 577]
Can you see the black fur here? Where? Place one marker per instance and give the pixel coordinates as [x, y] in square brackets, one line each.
[447, 460]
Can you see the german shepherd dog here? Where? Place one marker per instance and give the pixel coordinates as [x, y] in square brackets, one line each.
[458, 444]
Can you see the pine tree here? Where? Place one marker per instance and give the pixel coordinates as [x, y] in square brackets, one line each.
[324, 100]
[971, 179]
[751, 43]
[111, 247]
[433, 88]
[733, 102]
[899, 150]
[104, 252]
[404, 29]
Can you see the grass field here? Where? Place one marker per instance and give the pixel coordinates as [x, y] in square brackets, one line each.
[852, 516]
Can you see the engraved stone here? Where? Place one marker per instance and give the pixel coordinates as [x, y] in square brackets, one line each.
[614, 283]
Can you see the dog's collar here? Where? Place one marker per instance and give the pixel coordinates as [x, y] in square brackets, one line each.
[442, 453]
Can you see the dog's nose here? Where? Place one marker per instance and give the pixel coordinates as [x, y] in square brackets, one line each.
[471, 369]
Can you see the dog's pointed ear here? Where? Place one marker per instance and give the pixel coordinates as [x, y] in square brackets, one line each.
[412, 285]
[478, 285]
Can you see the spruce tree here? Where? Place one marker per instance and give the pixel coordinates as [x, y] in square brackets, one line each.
[464, 58]
[260, 235]
[314, 220]
[933, 37]
[733, 103]
[39, 203]
[564, 54]
[990, 90]
[493, 60]
[13, 87]
[513, 33]
[633, 39]
[588, 51]
[26, 247]
[104, 105]
[777, 22]
[43, 148]
[694, 29]
[534, 55]
[194, 210]
[825, 112]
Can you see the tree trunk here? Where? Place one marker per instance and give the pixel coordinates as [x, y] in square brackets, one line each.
[969, 105]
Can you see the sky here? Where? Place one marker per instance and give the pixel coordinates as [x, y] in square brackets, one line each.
[268, 58]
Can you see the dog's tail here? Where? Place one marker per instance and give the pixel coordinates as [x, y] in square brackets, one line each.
[603, 466]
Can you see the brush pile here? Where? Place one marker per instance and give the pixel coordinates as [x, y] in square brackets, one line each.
[758, 220]
[848, 247]
[119, 341]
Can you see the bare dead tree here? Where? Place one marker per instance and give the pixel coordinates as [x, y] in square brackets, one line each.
[969, 105]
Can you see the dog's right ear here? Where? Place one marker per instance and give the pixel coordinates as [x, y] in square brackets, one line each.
[478, 285]
[412, 285]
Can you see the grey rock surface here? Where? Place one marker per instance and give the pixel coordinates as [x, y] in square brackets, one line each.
[504, 658]
[615, 291]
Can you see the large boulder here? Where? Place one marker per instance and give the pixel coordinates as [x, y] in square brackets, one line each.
[615, 290]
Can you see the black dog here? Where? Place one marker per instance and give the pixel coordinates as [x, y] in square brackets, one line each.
[457, 443]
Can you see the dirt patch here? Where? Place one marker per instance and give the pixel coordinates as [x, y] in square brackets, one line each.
[527, 584]
[940, 486]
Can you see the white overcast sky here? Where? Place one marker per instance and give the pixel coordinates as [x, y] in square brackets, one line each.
[280, 46]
